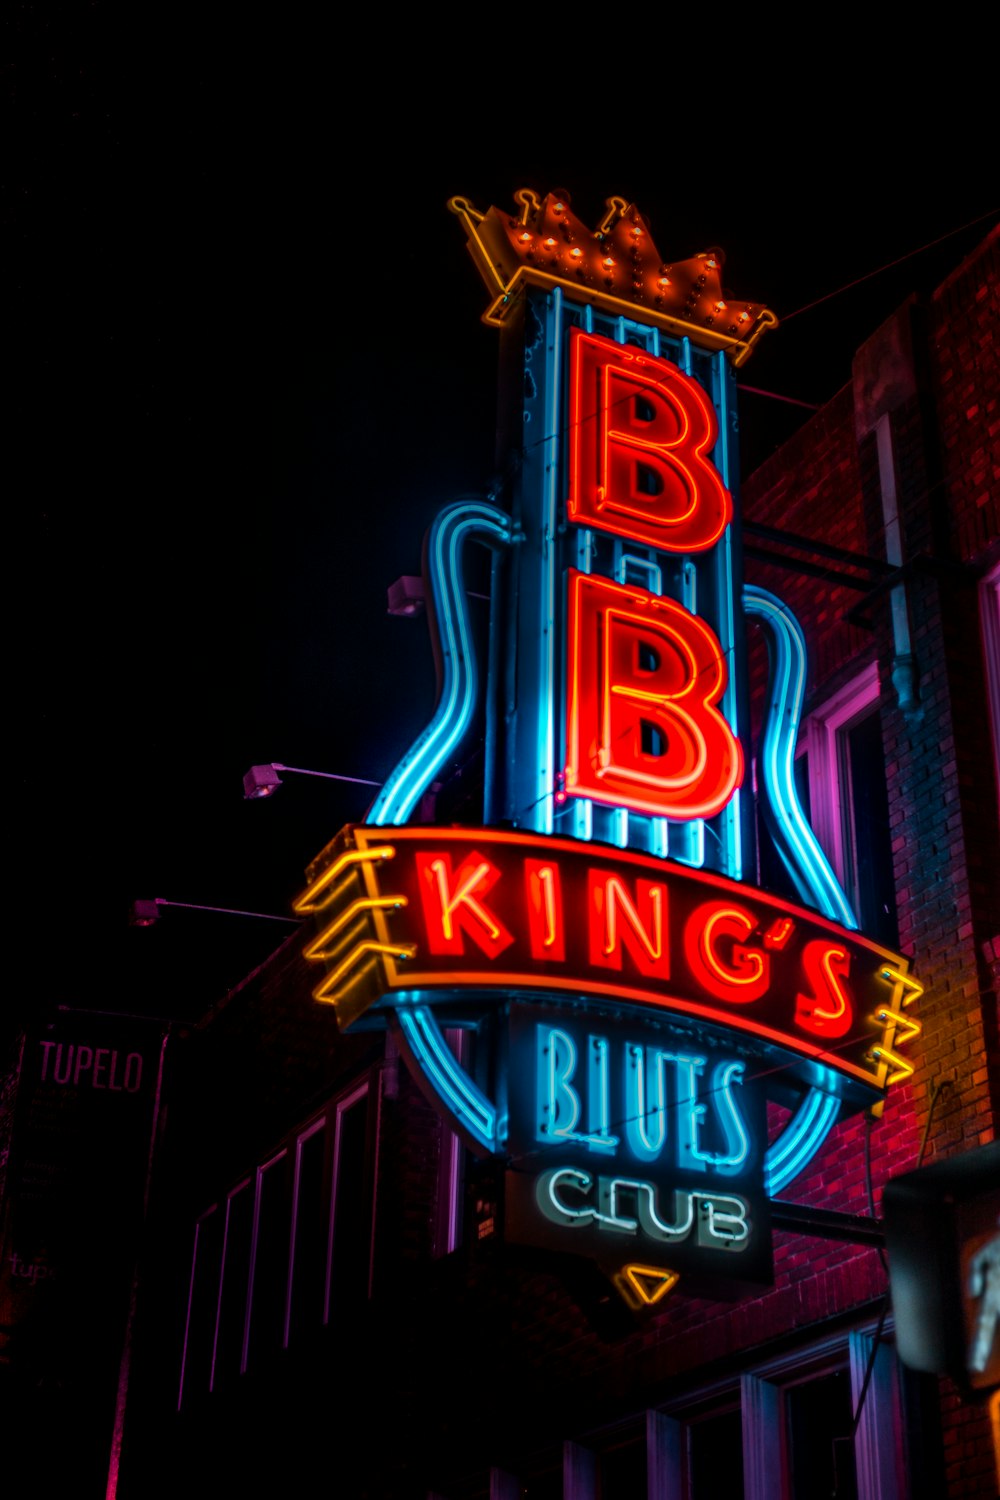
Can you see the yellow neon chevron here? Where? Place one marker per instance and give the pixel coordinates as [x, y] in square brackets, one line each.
[906, 988]
[897, 1028]
[333, 980]
[905, 1028]
[317, 948]
[903, 1069]
[307, 902]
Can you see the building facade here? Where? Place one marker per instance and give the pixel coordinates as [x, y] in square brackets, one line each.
[338, 1285]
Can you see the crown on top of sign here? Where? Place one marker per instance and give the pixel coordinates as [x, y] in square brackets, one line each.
[616, 266]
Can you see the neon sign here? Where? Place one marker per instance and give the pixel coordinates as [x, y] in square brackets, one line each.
[645, 677]
[640, 432]
[642, 997]
[636, 1143]
[616, 268]
[451, 910]
[722, 1222]
[643, 1111]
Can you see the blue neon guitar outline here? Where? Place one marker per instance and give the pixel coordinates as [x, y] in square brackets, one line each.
[484, 522]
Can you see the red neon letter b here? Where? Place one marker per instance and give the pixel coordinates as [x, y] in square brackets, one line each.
[644, 731]
[641, 434]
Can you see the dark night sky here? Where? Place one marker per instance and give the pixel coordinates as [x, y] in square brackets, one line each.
[246, 368]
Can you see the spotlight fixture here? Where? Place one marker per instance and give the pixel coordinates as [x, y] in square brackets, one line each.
[263, 781]
[406, 596]
[143, 913]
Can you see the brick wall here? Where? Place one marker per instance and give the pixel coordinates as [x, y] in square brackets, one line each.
[939, 767]
[964, 315]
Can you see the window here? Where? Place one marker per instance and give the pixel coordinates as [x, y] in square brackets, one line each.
[287, 1251]
[837, 1418]
[199, 1321]
[268, 1263]
[818, 1422]
[714, 1454]
[451, 1165]
[349, 1255]
[622, 1468]
[795, 1428]
[234, 1282]
[849, 804]
[841, 786]
[305, 1295]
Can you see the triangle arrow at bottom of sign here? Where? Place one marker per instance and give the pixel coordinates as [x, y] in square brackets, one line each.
[651, 1283]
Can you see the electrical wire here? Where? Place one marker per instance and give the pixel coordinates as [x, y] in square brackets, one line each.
[787, 317]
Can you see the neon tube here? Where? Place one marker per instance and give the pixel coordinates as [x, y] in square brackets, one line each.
[453, 1086]
[456, 524]
[800, 1140]
[799, 849]
[797, 844]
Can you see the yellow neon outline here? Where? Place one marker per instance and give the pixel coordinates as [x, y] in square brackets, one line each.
[362, 904]
[369, 945]
[668, 1280]
[778, 933]
[493, 274]
[616, 895]
[829, 954]
[325, 996]
[897, 1029]
[480, 254]
[307, 901]
[529, 201]
[544, 880]
[543, 899]
[460, 205]
[905, 1027]
[616, 209]
[645, 993]
[650, 997]
[902, 983]
[901, 1068]
[464, 896]
[501, 307]
[711, 959]
[355, 932]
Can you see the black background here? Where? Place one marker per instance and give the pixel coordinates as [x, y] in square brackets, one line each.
[246, 366]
